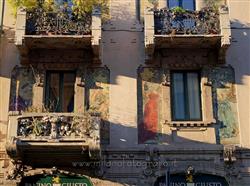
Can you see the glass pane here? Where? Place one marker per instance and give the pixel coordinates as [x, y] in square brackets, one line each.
[193, 96]
[68, 92]
[179, 102]
[188, 4]
[173, 3]
[53, 92]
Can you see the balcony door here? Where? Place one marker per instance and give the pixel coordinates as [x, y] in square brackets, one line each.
[185, 4]
[59, 96]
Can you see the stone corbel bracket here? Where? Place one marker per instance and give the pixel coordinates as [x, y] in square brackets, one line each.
[11, 148]
[225, 32]
[96, 34]
[149, 35]
[229, 154]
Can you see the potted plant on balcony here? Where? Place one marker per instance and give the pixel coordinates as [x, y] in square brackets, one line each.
[178, 15]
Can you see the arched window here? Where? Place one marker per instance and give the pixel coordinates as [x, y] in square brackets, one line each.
[185, 4]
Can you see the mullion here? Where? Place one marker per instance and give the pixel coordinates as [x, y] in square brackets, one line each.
[180, 3]
[186, 100]
[47, 90]
[61, 79]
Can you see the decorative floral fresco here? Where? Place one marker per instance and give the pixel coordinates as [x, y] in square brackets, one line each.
[149, 106]
[22, 81]
[224, 104]
[97, 96]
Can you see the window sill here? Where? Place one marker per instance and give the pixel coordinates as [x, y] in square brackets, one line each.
[190, 124]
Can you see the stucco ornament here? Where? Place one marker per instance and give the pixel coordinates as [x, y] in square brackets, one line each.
[22, 81]
[224, 103]
[149, 105]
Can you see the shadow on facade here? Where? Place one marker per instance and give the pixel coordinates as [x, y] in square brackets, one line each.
[238, 52]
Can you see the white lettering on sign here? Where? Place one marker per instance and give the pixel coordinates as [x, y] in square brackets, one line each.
[62, 184]
[74, 184]
[195, 184]
[38, 184]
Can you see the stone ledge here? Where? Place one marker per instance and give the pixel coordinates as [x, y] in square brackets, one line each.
[190, 124]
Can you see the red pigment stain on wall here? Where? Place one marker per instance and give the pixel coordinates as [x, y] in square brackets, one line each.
[148, 127]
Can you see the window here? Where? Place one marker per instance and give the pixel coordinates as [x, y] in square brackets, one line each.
[59, 96]
[186, 100]
[186, 4]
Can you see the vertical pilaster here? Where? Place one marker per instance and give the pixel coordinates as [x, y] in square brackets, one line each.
[199, 4]
[225, 32]
[149, 34]
[162, 4]
[96, 34]
[20, 26]
[38, 89]
[79, 98]
[206, 98]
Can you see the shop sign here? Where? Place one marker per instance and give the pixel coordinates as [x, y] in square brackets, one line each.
[197, 180]
[55, 180]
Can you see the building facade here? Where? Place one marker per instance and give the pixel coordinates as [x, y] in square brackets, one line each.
[155, 94]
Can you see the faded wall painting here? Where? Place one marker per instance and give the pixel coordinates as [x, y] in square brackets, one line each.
[97, 96]
[22, 81]
[149, 104]
[225, 104]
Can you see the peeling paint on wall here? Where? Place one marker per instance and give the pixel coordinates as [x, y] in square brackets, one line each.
[97, 96]
[22, 81]
[225, 104]
[149, 104]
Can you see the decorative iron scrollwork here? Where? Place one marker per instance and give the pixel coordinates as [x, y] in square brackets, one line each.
[64, 22]
[55, 126]
[203, 22]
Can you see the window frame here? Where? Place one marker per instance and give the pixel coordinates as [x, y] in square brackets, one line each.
[61, 85]
[180, 2]
[186, 101]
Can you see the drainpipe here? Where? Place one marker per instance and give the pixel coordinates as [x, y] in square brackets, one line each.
[2, 15]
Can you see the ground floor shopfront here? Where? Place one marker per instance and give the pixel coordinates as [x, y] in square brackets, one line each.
[149, 166]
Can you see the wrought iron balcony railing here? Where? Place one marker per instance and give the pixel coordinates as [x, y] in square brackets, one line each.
[56, 126]
[53, 132]
[203, 22]
[64, 22]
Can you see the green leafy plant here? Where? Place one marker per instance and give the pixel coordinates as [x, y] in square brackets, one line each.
[29, 4]
[178, 10]
[78, 7]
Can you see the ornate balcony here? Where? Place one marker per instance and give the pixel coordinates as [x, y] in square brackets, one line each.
[41, 22]
[204, 22]
[42, 29]
[178, 28]
[33, 135]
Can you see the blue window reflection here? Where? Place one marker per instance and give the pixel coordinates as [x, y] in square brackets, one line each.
[186, 4]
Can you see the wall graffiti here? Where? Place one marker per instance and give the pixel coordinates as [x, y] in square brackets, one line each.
[224, 104]
[149, 104]
[22, 81]
[97, 96]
